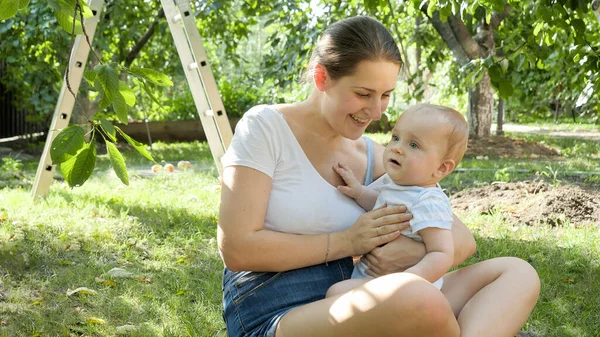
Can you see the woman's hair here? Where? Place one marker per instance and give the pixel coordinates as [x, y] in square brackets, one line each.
[348, 42]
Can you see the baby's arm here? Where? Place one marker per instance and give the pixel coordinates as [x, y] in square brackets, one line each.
[364, 196]
[439, 257]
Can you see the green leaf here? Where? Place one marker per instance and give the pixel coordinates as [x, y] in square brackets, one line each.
[579, 26]
[127, 93]
[505, 88]
[149, 92]
[117, 162]
[90, 76]
[540, 64]
[153, 76]
[538, 27]
[106, 100]
[120, 108]
[107, 81]
[521, 62]
[23, 3]
[495, 72]
[67, 143]
[66, 22]
[79, 168]
[68, 7]
[141, 148]
[8, 8]
[431, 7]
[109, 129]
[87, 11]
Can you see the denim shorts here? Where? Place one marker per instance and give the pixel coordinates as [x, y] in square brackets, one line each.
[254, 302]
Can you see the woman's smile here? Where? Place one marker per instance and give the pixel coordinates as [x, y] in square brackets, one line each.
[358, 120]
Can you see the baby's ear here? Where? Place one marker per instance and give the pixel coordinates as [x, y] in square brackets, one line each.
[444, 169]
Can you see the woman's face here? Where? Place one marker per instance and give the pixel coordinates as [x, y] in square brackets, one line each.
[352, 102]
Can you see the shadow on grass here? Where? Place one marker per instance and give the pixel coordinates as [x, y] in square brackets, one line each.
[177, 290]
[569, 303]
[172, 249]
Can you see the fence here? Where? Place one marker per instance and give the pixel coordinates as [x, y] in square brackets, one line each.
[13, 121]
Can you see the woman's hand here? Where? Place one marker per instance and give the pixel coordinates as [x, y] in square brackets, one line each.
[395, 256]
[377, 227]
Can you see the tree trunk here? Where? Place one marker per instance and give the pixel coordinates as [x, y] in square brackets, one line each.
[500, 118]
[481, 100]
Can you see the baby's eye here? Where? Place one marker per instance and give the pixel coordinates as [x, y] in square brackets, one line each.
[363, 95]
[395, 138]
[413, 145]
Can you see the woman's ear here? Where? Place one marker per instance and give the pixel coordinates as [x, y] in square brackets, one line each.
[320, 77]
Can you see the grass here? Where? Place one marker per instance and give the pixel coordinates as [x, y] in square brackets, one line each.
[162, 230]
[565, 124]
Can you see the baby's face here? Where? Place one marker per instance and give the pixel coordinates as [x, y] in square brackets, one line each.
[416, 149]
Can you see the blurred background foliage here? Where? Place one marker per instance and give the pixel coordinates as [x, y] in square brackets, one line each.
[544, 64]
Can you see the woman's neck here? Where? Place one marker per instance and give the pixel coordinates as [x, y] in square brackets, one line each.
[309, 116]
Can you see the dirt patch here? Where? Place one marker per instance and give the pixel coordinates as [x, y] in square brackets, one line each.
[530, 202]
[504, 147]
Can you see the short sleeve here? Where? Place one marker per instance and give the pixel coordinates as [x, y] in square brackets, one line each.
[254, 142]
[432, 209]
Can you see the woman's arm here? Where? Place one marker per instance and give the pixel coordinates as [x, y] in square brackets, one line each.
[464, 242]
[244, 243]
[403, 253]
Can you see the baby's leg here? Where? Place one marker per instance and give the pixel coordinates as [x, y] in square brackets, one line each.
[346, 285]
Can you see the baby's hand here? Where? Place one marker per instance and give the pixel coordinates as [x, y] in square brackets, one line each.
[353, 187]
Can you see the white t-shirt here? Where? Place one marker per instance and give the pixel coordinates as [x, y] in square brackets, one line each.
[429, 206]
[301, 200]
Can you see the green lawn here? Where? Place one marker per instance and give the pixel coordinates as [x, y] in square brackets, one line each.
[161, 230]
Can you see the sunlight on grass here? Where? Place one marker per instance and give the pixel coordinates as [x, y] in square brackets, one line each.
[162, 229]
[567, 260]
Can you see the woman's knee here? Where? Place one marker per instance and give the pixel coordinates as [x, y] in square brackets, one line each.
[527, 274]
[521, 272]
[424, 305]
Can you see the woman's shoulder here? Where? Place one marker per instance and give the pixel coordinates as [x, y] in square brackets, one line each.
[263, 111]
[261, 117]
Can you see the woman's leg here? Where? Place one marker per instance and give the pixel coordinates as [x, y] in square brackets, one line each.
[344, 286]
[396, 305]
[492, 298]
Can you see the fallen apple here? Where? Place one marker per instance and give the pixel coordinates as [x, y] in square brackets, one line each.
[169, 168]
[184, 165]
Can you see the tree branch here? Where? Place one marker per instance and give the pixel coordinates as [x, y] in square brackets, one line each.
[464, 37]
[447, 34]
[497, 17]
[135, 51]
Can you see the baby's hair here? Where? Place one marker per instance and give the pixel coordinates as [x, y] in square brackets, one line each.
[458, 129]
[350, 41]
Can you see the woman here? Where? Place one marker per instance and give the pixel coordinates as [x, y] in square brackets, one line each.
[286, 233]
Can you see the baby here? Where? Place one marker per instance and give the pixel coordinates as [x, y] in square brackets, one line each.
[428, 142]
